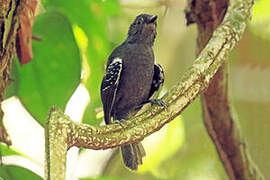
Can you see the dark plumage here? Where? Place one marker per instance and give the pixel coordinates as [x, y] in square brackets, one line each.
[131, 78]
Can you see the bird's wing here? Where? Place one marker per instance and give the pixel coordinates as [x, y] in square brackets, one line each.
[158, 80]
[109, 87]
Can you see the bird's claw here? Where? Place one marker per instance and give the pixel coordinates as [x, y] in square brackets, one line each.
[159, 102]
[120, 122]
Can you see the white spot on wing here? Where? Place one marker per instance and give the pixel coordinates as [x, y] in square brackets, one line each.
[114, 70]
[117, 59]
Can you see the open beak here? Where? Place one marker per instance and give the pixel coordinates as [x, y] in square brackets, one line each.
[152, 19]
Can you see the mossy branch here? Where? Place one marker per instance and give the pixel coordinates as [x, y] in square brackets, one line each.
[62, 133]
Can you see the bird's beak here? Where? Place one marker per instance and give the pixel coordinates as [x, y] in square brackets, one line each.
[152, 19]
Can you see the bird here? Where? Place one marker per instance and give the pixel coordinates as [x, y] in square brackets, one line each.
[132, 77]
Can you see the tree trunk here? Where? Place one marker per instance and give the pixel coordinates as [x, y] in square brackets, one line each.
[9, 23]
[219, 121]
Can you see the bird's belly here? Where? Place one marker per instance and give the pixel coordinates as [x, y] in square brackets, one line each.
[137, 89]
[134, 88]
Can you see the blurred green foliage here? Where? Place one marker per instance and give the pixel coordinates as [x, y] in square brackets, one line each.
[103, 178]
[54, 73]
[166, 143]
[260, 24]
[91, 17]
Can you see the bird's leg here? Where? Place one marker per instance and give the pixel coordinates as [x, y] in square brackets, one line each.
[159, 102]
[120, 122]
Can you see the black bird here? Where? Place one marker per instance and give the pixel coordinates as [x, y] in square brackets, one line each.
[131, 78]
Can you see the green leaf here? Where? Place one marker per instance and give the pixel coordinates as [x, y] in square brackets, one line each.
[8, 172]
[6, 151]
[91, 17]
[52, 77]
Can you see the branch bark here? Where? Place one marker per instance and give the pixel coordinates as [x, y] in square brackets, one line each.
[219, 121]
[62, 133]
[9, 23]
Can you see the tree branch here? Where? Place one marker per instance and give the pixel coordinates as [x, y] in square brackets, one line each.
[194, 81]
[9, 12]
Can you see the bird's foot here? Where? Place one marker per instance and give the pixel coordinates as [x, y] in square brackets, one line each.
[120, 122]
[159, 102]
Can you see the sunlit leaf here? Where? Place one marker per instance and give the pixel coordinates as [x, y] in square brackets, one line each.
[261, 19]
[8, 172]
[6, 151]
[52, 77]
[167, 144]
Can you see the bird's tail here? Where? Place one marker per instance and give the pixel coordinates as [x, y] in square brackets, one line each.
[132, 155]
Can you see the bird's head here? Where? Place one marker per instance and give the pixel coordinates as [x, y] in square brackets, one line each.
[143, 29]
